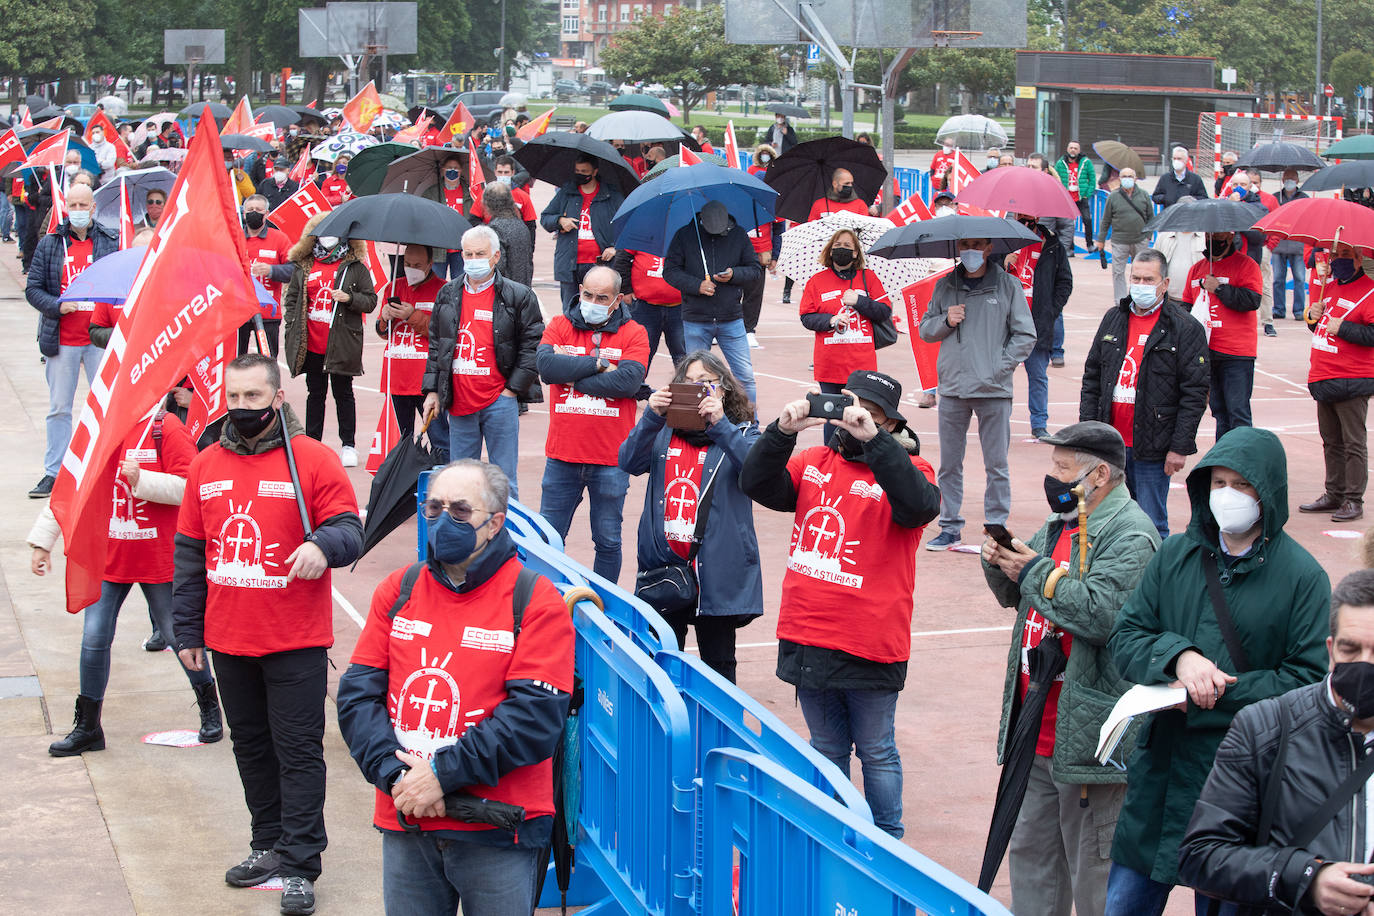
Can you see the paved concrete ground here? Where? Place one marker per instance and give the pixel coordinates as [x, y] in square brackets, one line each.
[138, 828]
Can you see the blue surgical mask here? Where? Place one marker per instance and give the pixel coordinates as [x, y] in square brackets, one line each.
[80, 219]
[1145, 298]
[506, 180]
[451, 541]
[1128, 183]
[340, 168]
[971, 258]
[594, 313]
[476, 268]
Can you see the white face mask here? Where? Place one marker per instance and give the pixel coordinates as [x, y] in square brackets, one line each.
[1128, 183]
[329, 241]
[1180, 165]
[944, 211]
[1235, 512]
[1290, 185]
[280, 176]
[415, 276]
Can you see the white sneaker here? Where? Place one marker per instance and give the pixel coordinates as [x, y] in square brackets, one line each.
[754, 342]
[348, 456]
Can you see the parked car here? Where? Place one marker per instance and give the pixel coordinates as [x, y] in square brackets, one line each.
[600, 90]
[482, 103]
[566, 89]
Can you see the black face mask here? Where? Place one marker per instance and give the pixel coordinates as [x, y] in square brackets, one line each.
[1354, 683]
[254, 220]
[841, 257]
[250, 421]
[1060, 494]
[846, 192]
[1228, 169]
[1343, 269]
[1216, 248]
[584, 179]
[847, 445]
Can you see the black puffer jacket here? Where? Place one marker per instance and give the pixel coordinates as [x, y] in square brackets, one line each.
[516, 327]
[1050, 288]
[1171, 384]
[1218, 855]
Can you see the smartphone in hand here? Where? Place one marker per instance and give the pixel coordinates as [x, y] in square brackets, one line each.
[828, 406]
[1000, 534]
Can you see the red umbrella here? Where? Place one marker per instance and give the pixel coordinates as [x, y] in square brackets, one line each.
[1020, 190]
[1321, 221]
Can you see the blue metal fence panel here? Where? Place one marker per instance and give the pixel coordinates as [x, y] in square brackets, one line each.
[650, 632]
[636, 822]
[913, 181]
[801, 852]
[537, 523]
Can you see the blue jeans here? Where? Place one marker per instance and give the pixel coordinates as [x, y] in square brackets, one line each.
[1057, 349]
[734, 346]
[864, 720]
[1282, 264]
[661, 321]
[499, 425]
[1129, 893]
[424, 875]
[62, 371]
[1149, 487]
[1233, 379]
[606, 484]
[98, 632]
[6, 217]
[1036, 364]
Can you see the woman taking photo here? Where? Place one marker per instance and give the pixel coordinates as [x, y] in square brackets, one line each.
[840, 304]
[686, 470]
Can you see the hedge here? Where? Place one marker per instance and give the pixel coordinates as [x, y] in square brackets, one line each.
[905, 137]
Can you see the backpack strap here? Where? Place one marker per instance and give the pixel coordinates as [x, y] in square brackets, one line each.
[412, 575]
[157, 431]
[520, 599]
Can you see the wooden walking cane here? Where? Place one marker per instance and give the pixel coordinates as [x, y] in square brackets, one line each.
[1308, 317]
[1052, 580]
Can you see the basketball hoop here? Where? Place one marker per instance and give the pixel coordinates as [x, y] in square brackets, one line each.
[941, 38]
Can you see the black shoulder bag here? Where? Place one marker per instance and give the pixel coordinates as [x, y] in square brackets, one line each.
[884, 329]
[674, 588]
[1228, 628]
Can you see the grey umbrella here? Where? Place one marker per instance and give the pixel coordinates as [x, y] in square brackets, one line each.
[1356, 173]
[1279, 156]
[634, 127]
[788, 110]
[1207, 215]
[139, 182]
[972, 132]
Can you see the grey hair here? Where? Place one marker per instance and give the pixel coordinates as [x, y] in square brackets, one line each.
[1115, 473]
[495, 483]
[1154, 256]
[614, 278]
[1178, 149]
[1355, 590]
[483, 232]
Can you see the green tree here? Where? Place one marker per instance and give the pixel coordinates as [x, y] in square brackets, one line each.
[1350, 69]
[688, 50]
[43, 41]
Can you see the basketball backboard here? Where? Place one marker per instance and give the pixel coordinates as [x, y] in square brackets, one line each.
[340, 29]
[883, 23]
[192, 46]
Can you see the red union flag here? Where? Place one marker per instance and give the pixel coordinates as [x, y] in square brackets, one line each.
[298, 209]
[477, 182]
[300, 172]
[361, 110]
[913, 209]
[388, 430]
[207, 381]
[191, 291]
[102, 121]
[11, 150]
[460, 121]
[686, 157]
[731, 147]
[916, 298]
[51, 152]
[241, 119]
[126, 216]
[961, 172]
[413, 133]
[536, 128]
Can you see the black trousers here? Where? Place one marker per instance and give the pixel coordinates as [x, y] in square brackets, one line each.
[317, 385]
[715, 638]
[1085, 213]
[273, 329]
[753, 302]
[274, 706]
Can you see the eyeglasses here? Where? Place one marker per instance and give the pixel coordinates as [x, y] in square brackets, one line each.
[710, 384]
[460, 511]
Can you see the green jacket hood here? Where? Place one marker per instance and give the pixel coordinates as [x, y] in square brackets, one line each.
[1258, 456]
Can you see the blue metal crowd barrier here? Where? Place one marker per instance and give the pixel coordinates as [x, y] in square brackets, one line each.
[799, 851]
[913, 181]
[537, 524]
[649, 632]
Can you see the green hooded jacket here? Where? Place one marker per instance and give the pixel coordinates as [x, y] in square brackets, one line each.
[1121, 541]
[1279, 598]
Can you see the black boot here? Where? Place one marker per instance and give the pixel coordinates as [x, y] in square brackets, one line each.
[86, 734]
[211, 726]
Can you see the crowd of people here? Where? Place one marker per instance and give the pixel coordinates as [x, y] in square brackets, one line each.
[1230, 607]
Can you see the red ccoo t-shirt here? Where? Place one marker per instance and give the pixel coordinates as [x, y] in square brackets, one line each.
[406, 350]
[824, 205]
[681, 492]
[141, 532]
[1230, 332]
[74, 329]
[587, 248]
[583, 428]
[319, 305]
[271, 248]
[1335, 358]
[1123, 394]
[838, 353]
[477, 382]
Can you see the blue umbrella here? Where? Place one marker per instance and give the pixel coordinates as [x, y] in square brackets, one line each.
[654, 212]
[74, 142]
[111, 278]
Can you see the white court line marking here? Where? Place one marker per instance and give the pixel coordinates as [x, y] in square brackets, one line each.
[960, 632]
[1286, 381]
[347, 608]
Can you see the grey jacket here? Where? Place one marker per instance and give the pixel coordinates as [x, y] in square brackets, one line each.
[1125, 217]
[978, 358]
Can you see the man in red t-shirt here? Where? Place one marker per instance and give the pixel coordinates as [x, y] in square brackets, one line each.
[593, 358]
[1341, 379]
[653, 301]
[841, 196]
[1070, 795]
[399, 706]
[859, 506]
[504, 167]
[580, 215]
[403, 322]
[63, 327]
[269, 261]
[252, 586]
[1225, 289]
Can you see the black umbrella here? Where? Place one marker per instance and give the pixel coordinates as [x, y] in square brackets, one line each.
[939, 238]
[36, 103]
[1354, 173]
[310, 117]
[279, 116]
[419, 172]
[1046, 662]
[1279, 156]
[46, 112]
[788, 110]
[1206, 215]
[801, 176]
[243, 141]
[552, 157]
[196, 109]
[440, 115]
[391, 501]
[401, 218]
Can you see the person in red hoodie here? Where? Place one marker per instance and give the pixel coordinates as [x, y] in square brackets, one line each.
[1340, 380]
[1226, 285]
[859, 506]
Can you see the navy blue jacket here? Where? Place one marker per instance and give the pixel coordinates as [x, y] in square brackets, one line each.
[45, 277]
[568, 202]
[684, 271]
[728, 561]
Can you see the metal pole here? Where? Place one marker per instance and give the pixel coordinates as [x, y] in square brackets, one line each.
[847, 102]
[1317, 107]
[501, 67]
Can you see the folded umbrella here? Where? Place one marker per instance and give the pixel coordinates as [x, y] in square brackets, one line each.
[139, 182]
[802, 174]
[552, 156]
[367, 170]
[1027, 191]
[1119, 156]
[419, 172]
[391, 501]
[939, 237]
[1206, 215]
[1359, 147]
[112, 277]
[654, 212]
[635, 127]
[788, 110]
[635, 101]
[1356, 173]
[1279, 157]
[401, 218]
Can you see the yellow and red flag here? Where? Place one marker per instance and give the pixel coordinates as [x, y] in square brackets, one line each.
[361, 110]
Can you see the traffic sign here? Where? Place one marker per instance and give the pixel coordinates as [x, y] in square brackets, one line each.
[1329, 91]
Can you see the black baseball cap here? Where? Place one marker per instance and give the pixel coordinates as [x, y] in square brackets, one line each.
[1098, 439]
[877, 388]
[715, 218]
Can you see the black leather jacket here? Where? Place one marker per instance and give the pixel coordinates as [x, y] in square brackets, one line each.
[1218, 856]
